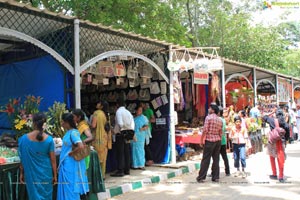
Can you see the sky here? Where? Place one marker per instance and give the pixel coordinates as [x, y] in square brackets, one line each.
[273, 14]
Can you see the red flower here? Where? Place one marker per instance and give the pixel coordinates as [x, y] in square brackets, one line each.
[9, 109]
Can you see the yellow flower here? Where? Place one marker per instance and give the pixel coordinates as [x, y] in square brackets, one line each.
[18, 126]
[16, 121]
[22, 122]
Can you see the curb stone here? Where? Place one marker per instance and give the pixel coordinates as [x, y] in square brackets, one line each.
[128, 187]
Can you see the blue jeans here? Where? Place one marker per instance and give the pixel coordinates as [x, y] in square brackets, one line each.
[239, 153]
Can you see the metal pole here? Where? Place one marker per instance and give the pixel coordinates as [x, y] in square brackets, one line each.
[276, 85]
[172, 113]
[292, 95]
[223, 86]
[77, 64]
[254, 86]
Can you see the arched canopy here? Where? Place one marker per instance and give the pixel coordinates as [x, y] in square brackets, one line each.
[266, 80]
[238, 75]
[122, 53]
[296, 86]
[27, 38]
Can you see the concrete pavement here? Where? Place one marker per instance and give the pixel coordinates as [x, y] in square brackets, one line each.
[172, 184]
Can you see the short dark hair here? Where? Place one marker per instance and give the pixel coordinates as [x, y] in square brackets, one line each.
[237, 118]
[214, 107]
[79, 113]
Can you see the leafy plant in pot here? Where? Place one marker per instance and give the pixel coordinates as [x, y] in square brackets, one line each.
[54, 119]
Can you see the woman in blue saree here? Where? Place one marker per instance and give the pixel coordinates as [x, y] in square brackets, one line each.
[137, 146]
[38, 163]
[72, 178]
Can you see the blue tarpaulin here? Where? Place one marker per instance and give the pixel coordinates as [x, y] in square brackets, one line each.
[39, 77]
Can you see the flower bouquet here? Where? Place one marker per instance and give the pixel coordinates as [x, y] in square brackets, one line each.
[20, 114]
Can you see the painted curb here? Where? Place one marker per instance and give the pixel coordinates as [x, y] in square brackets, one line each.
[128, 187]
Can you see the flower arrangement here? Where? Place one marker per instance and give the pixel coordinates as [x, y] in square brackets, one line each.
[54, 118]
[20, 114]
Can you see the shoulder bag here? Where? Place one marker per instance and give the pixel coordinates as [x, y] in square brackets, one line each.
[79, 153]
[277, 133]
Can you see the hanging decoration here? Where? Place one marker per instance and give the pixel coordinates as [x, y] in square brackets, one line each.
[181, 59]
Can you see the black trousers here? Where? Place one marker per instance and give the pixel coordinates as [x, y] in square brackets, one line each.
[225, 158]
[211, 150]
[123, 154]
[148, 153]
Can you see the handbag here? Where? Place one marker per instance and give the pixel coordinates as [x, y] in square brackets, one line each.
[119, 69]
[128, 134]
[144, 95]
[106, 68]
[154, 88]
[277, 133]
[79, 153]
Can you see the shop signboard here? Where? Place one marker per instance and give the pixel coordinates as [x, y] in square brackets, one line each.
[201, 75]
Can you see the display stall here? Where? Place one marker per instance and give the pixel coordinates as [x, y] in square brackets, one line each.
[266, 96]
[136, 81]
[196, 83]
[239, 92]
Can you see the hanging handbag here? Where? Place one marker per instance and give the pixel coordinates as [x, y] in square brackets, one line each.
[106, 68]
[163, 87]
[145, 82]
[132, 95]
[119, 69]
[277, 133]
[154, 88]
[132, 72]
[79, 153]
[144, 95]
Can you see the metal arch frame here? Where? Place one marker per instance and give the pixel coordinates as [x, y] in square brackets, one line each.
[296, 86]
[238, 74]
[265, 80]
[122, 53]
[27, 38]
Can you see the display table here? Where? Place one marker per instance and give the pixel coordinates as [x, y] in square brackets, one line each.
[182, 137]
[10, 189]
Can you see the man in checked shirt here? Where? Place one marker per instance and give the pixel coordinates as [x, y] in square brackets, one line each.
[211, 139]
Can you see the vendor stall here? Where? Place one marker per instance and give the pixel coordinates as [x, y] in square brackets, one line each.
[194, 83]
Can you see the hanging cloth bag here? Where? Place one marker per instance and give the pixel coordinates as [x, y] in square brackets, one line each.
[119, 69]
[154, 88]
[106, 68]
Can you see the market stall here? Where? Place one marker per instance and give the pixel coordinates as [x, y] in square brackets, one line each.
[136, 79]
[194, 83]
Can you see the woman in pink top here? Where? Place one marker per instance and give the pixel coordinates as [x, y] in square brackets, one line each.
[238, 134]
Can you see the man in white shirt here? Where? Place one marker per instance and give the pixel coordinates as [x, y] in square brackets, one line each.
[124, 124]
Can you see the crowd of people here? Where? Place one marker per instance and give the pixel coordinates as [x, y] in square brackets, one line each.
[40, 171]
[240, 126]
[132, 136]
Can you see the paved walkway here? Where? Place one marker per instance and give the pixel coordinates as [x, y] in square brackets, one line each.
[181, 183]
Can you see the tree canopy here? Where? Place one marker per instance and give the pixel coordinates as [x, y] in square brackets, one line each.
[196, 23]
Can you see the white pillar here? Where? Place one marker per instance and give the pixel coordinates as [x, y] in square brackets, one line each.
[172, 113]
[254, 86]
[223, 86]
[276, 85]
[77, 64]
